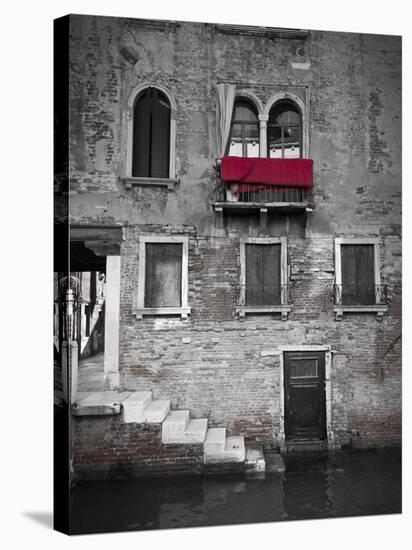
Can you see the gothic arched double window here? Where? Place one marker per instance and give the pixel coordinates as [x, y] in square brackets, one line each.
[283, 133]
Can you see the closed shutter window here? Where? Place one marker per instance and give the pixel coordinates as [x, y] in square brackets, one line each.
[163, 275]
[263, 279]
[151, 135]
[358, 274]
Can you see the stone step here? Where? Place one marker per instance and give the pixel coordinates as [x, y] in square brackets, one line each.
[99, 403]
[255, 459]
[235, 448]
[194, 433]
[234, 451]
[174, 426]
[306, 445]
[156, 411]
[274, 462]
[134, 406]
[215, 441]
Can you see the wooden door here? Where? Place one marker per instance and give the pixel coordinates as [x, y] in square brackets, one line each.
[305, 406]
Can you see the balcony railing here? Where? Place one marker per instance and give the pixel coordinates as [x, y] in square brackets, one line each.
[262, 194]
[360, 295]
[263, 180]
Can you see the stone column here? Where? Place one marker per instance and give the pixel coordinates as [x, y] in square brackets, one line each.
[263, 119]
[69, 354]
[111, 323]
[69, 351]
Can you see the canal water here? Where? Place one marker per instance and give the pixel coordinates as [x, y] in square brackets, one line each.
[313, 486]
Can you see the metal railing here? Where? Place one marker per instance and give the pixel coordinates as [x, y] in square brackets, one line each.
[259, 194]
[263, 295]
[360, 295]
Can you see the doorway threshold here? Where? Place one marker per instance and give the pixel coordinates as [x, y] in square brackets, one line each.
[305, 445]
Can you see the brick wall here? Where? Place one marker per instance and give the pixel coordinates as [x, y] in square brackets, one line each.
[216, 365]
[104, 447]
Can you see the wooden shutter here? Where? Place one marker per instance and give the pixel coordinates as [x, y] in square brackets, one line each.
[160, 138]
[163, 275]
[365, 271]
[253, 274]
[348, 262]
[271, 274]
[358, 274]
[141, 135]
[263, 280]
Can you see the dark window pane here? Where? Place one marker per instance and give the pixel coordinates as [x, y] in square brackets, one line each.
[291, 134]
[244, 132]
[262, 274]
[163, 275]
[236, 131]
[244, 111]
[284, 131]
[287, 115]
[151, 135]
[358, 274]
[160, 142]
[141, 135]
[275, 134]
[252, 131]
[303, 368]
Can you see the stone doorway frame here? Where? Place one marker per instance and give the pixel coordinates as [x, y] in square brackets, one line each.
[328, 390]
[105, 240]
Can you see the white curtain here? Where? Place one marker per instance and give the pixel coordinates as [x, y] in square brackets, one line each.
[224, 110]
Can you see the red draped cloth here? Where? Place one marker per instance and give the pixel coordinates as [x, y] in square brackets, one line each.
[252, 172]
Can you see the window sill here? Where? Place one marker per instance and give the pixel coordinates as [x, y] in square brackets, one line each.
[151, 182]
[283, 309]
[146, 311]
[378, 309]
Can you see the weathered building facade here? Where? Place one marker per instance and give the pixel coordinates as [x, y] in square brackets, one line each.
[260, 294]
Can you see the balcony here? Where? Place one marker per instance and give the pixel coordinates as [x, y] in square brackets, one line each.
[358, 298]
[263, 184]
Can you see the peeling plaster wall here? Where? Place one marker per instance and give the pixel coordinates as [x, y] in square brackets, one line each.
[355, 88]
[354, 129]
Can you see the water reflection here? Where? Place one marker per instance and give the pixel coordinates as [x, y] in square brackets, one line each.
[313, 486]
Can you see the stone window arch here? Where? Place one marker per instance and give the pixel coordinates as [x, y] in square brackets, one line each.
[151, 139]
[287, 126]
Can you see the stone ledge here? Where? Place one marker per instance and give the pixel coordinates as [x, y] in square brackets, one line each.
[182, 311]
[274, 462]
[378, 309]
[255, 459]
[284, 310]
[99, 403]
[130, 182]
[234, 451]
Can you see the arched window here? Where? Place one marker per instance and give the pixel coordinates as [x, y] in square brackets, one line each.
[285, 130]
[151, 134]
[244, 131]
